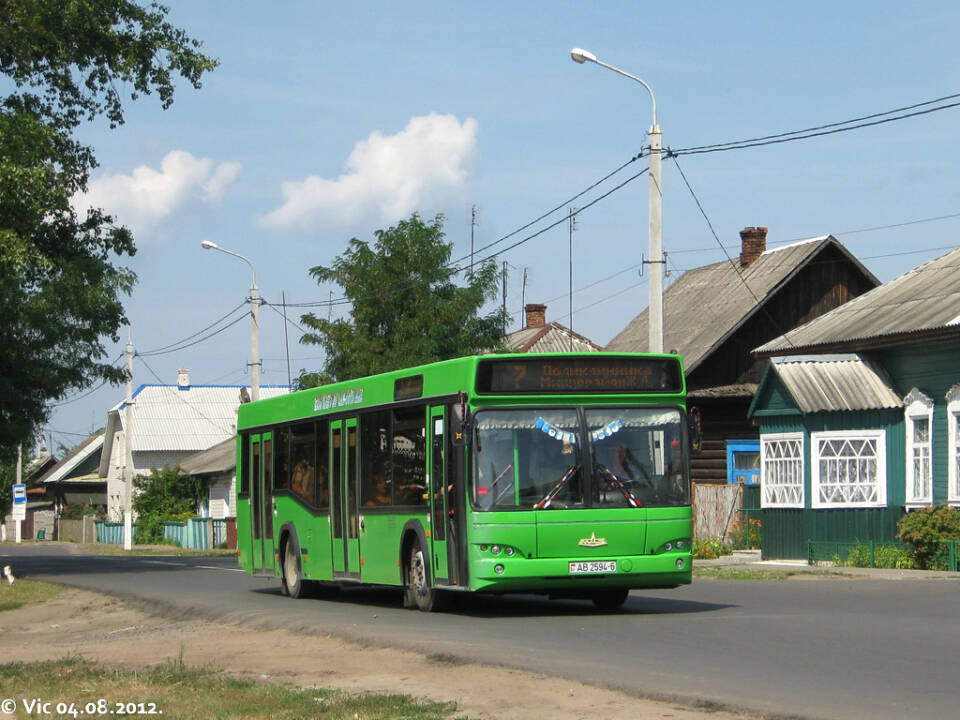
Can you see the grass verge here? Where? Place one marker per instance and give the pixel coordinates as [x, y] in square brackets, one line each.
[25, 592]
[177, 691]
[110, 549]
[750, 573]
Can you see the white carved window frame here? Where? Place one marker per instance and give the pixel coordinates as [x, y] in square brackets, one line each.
[862, 453]
[953, 443]
[917, 407]
[781, 470]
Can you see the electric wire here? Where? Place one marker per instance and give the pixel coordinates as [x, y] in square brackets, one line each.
[156, 353]
[159, 351]
[176, 393]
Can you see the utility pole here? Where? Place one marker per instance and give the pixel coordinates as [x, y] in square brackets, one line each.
[523, 293]
[474, 222]
[573, 226]
[286, 337]
[128, 454]
[19, 530]
[504, 297]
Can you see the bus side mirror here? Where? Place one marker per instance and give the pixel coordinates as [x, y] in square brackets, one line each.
[460, 425]
[694, 431]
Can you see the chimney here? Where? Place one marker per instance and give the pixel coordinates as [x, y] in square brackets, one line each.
[753, 241]
[183, 378]
[536, 315]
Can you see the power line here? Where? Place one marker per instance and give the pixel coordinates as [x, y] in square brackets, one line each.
[195, 342]
[177, 394]
[160, 350]
[831, 129]
[732, 263]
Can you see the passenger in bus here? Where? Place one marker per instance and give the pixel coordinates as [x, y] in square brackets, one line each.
[380, 494]
[301, 479]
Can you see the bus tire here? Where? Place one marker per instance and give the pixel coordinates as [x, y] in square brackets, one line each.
[417, 591]
[292, 582]
[610, 599]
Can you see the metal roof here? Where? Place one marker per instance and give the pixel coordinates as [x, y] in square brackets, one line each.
[549, 338]
[923, 301]
[707, 305]
[832, 383]
[77, 455]
[220, 458]
[168, 418]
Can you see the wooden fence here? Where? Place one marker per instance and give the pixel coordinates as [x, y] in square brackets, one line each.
[715, 509]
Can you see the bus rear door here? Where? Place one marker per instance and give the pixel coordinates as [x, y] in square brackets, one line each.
[344, 520]
[261, 502]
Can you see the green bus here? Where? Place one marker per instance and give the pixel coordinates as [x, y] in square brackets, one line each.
[564, 474]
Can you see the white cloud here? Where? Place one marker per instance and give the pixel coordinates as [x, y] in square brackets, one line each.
[146, 197]
[387, 177]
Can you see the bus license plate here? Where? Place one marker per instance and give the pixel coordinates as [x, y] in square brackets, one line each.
[583, 568]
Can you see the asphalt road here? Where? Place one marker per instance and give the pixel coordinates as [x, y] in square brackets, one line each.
[811, 647]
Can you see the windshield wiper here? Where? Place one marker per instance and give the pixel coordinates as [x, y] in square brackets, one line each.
[545, 501]
[619, 485]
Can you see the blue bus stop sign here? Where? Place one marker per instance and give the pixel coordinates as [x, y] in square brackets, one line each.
[19, 493]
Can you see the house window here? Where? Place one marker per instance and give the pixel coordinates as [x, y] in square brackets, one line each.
[918, 419]
[953, 428]
[743, 461]
[781, 470]
[848, 469]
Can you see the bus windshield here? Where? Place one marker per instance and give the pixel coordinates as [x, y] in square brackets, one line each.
[532, 458]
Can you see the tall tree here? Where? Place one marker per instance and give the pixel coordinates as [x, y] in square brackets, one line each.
[405, 308]
[66, 62]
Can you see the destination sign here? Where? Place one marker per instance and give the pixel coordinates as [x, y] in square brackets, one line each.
[579, 375]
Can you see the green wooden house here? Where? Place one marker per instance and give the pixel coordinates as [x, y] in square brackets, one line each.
[858, 414]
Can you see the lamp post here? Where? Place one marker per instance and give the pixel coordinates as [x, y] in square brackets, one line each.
[655, 245]
[254, 320]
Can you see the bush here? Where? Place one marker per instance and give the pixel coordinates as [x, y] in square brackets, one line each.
[709, 549]
[889, 557]
[77, 511]
[927, 531]
[164, 495]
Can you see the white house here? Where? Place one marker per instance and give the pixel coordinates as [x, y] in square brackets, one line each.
[170, 423]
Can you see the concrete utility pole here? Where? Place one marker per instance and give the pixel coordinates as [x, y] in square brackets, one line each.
[655, 242]
[128, 455]
[18, 521]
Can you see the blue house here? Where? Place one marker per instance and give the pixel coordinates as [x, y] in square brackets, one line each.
[858, 414]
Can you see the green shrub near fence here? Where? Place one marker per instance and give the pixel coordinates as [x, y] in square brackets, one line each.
[928, 532]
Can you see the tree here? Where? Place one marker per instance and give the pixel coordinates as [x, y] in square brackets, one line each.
[60, 293]
[405, 307]
[163, 495]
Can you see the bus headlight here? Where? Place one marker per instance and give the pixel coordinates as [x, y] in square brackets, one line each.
[498, 569]
[495, 549]
[509, 551]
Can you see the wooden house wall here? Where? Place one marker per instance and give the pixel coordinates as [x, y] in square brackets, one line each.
[721, 419]
[933, 368]
[828, 281]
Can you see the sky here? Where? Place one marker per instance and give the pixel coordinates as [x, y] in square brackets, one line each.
[328, 121]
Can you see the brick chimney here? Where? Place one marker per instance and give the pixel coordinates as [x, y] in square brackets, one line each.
[753, 241]
[536, 315]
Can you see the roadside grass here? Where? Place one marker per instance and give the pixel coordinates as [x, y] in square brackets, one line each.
[25, 592]
[750, 573]
[177, 691]
[111, 549]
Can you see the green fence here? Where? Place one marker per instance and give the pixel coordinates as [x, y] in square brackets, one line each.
[878, 555]
[110, 533]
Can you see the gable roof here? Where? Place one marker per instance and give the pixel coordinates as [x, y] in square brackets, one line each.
[81, 452]
[168, 418]
[830, 383]
[548, 338]
[922, 303]
[705, 306]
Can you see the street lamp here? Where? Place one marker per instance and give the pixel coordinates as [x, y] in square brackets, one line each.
[254, 319]
[655, 248]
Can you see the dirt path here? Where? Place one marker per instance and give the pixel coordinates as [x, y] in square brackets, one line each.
[117, 633]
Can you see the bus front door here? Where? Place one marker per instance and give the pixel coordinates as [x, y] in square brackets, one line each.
[344, 518]
[261, 502]
[438, 495]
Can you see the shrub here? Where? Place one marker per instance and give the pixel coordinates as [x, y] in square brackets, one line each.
[164, 495]
[884, 556]
[708, 549]
[76, 511]
[926, 531]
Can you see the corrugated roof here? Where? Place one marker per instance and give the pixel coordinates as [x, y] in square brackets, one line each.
[707, 305]
[222, 457]
[167, 418]
[832, 383]
[923, 300]
[80, 452]
[549, 338]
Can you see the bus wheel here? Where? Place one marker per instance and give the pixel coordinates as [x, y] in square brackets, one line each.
[292, 577]
[610, 599]
[417, 591]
